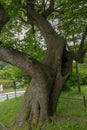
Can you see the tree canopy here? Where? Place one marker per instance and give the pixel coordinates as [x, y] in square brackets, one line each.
[68, 18]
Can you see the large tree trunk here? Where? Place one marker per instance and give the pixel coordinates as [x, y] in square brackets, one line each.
[48, 78]
[35, 106]
[41, 98]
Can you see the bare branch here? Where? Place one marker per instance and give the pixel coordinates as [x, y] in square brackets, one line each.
[20, 59]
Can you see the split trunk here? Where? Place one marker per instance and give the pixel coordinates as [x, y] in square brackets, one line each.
[41, 98]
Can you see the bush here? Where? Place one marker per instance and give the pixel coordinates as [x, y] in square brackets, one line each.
[83, 77]
[72, 81]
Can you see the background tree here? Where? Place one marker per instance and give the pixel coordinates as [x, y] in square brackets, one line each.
[53, 23]
[9, 72]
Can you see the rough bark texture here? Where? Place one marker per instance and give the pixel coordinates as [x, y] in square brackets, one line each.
[48, 77]
[42, 96]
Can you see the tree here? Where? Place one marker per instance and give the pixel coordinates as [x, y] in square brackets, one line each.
[50, 74]
[10, 72]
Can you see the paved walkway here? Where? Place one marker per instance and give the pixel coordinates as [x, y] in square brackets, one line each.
[9, 95]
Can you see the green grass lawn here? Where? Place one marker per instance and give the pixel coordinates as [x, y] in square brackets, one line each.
[71, 114]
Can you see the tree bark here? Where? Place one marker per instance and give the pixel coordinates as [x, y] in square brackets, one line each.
[35, 106]
[78, 78]
[41, 98]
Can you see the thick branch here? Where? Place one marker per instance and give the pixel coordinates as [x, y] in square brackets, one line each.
[55, 43]
[20, 60]
[43, 24]
[49, 10]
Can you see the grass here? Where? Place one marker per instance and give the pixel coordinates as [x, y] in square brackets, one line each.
[74, 92]
[72, 115]
[8, 110]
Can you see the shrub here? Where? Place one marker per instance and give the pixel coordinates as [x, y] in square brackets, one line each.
[72, 81]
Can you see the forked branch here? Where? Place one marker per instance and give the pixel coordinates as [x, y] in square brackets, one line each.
[49, 10]
[20, 59]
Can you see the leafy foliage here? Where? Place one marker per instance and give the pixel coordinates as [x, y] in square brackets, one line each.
[69, 20]
[72, 82]
[12, 73]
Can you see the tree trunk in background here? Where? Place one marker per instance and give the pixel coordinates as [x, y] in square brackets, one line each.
[78, 78]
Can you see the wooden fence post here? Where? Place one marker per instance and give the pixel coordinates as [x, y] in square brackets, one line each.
[84, 100]
[7, 96]
[15, 88]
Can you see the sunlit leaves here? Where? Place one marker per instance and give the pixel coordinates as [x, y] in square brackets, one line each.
[69, 19]
[32, 45]
[75, 16]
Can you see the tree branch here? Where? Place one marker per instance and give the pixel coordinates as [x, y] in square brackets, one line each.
[49, 10]
[44, 26]
[21, 60]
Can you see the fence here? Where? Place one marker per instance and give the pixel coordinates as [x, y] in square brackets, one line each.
[81, 99]
[6, 96]
[10, 95]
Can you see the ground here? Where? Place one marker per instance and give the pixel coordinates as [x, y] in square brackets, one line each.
[73, 117]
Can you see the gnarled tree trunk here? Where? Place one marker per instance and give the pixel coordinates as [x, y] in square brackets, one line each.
[41, 98]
